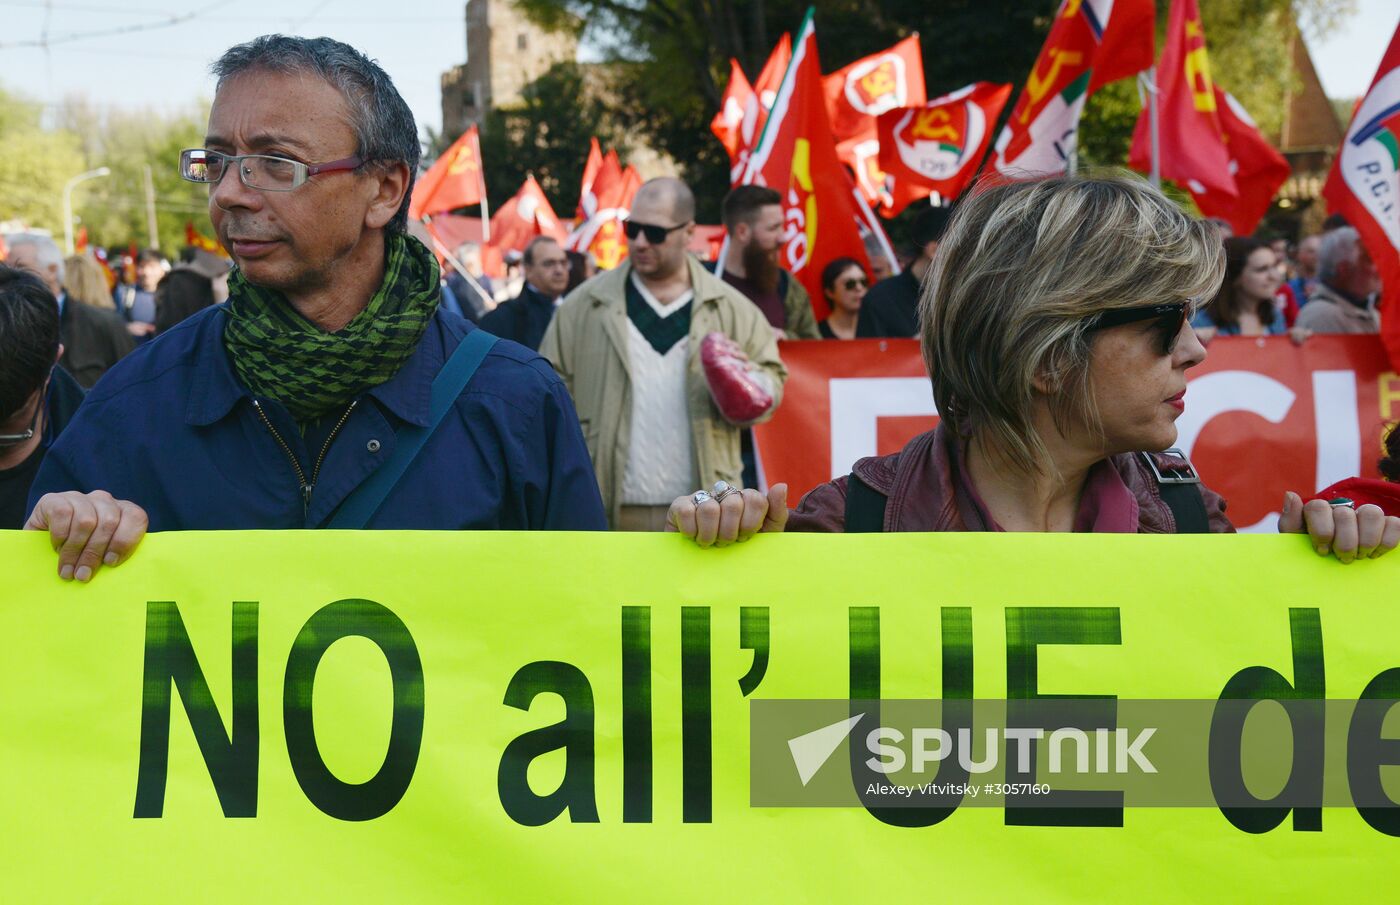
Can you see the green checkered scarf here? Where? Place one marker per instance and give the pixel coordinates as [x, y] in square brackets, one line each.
[278, 354]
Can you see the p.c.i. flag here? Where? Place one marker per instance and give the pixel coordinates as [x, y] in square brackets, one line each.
[1364, 185]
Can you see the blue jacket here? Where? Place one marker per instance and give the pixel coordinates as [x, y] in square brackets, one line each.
[172, 429]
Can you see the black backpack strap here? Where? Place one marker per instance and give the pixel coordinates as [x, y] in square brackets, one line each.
[865, 507]
[1180, 487]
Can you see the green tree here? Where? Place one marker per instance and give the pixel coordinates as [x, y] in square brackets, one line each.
[127, 142]
[34, 165]
[547, 134]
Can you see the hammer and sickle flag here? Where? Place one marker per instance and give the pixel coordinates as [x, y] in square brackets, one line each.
[1191, 139]
[1091, 43]
[454, 180]
[938, 147]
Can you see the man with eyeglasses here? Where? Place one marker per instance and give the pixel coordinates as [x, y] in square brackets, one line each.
[524, 318]
[331, 390]
[628, 345]
[37, 398]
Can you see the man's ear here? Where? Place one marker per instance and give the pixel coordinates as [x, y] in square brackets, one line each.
[391, 184]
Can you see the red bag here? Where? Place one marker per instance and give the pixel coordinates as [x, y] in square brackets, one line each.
[740, 398]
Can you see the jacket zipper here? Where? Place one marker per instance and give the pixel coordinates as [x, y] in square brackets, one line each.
[306, 488]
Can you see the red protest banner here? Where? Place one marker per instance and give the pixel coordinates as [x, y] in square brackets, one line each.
[1262, 415]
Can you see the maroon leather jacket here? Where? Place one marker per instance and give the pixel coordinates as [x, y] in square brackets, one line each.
[924, 494]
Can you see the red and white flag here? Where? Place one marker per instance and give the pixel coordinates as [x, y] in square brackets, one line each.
[1364, 185]
[857, 94]
[1258, 170]
[454, 180]
[1091, 43]
[601, 235]
[1191, 139]
[524, 217]
[587, 201]
[757, 102]
[937, 147]
[729, 121]
[797, 157]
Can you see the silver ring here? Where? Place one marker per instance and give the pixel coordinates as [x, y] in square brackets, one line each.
[723, 489]
[700, 497]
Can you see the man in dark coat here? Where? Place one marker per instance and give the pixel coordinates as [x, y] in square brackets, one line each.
[891, 308]
[524, 318]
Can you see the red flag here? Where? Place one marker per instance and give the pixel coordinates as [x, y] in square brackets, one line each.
[757, 104]
[883, 81]
[601, 234]
[1257, 168]
[728, 122]
[797, 157]
[80, 243]
[1091, 43]
[587, 201]
[937, 147]
[1364, 185]
[195, 239]
[523, 217]
[1191, 140]
[454, 180]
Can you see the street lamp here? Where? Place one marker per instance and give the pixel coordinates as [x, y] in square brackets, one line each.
[68, 201]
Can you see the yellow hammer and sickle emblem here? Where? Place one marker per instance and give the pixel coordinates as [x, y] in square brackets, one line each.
[935, 125]
[1198, 67]
[1037, 86]
[463, 161]
[879, 82]
[1071, 9]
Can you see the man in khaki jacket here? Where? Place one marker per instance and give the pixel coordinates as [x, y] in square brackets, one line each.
[627, 344]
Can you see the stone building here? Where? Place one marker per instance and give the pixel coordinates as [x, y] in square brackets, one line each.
[505, 52]
[1309, 139]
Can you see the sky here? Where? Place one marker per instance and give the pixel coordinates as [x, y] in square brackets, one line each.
[166, 68]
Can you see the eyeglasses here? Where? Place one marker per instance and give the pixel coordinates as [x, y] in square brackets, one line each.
[257, 171]
[655, 234]
[22, 436]
[854, 283]
[1169, 318]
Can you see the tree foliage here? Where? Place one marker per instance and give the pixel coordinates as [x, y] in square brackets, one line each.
[547, 134]
[37, 159]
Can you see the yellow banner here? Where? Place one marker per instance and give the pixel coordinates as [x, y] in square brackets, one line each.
[424, 717]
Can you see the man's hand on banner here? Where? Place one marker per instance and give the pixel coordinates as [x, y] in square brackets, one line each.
[1364, 532]
[89, 530]
[729, 516]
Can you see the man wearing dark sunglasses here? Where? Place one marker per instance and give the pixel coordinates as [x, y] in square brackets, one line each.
[37, 398]
[627, 344]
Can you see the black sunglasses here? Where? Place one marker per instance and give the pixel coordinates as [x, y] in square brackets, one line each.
[655, 234]
[1169, 318]
[853, 282]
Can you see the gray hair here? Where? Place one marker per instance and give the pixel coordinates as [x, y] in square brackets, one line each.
[45, 250]
[1339, 246]
[383, 125]
[1016, 282]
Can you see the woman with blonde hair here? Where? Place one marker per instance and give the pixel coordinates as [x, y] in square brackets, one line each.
[1055, 327]
[84, 280]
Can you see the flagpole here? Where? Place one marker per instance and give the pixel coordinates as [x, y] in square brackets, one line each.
[1151, 84]
[451, 259]
[485, 212]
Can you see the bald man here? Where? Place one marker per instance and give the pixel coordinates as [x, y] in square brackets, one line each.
[627, 344]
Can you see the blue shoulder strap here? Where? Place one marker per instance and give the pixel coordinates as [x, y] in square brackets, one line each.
[366, 499]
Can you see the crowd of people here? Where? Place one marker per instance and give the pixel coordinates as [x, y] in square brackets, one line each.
[345, 383]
